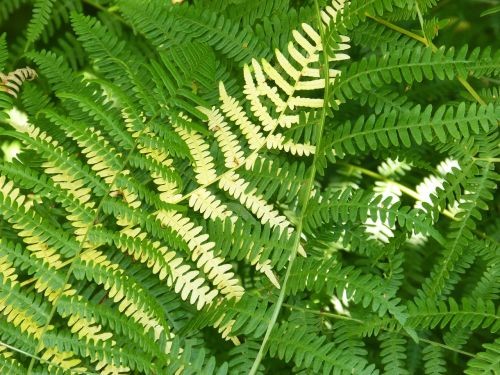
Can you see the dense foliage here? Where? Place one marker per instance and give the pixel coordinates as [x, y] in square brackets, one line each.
[249, 186]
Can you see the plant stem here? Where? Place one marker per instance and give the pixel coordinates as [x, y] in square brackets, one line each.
[304, 202]
[397, 28]
[471, 90]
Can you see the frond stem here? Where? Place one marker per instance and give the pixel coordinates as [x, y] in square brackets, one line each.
[397, 28]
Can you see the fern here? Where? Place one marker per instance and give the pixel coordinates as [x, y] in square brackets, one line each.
[248, 187]
[40, 18]
[486, 362]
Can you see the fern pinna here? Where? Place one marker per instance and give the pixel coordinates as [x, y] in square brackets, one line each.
[245, 187]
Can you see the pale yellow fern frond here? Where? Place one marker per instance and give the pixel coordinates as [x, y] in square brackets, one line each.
[186, 281]
[203, 164]
[204, 202]
[202, 253]
[11, 82]
[226, 139]
[93, 258]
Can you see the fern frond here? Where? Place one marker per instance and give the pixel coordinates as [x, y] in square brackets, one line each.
[347, 205]
[187, 360]
[202, 253]
[275, 177]
[9, 364]
[361, 288]
[109, 359]
[376, 36]
[11, 82]
[167, 264]
[125, 292]
[291, 342]
[173, 25]
[412, 127]
[242, 357]
[41, 14]
[203, 163]
[413, 65]
[350, 14]
[479, 187]
[82, 316]
[393, 353]
[3, 51]
[486, 362]
[434, 361]
[470, 313]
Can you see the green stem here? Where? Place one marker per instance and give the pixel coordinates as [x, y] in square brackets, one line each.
[304, 199]
[490, 160]
[397, 28]
[421, 21]
[405, 189]
[471, 90]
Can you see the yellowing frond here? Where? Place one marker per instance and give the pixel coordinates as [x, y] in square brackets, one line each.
[203, 201]
[202, 253]
[232, 108]
[11, 82]
[278, 142]
[187, 282]
[117, 291]
[236, 187]
[203, 162]
[233, 155]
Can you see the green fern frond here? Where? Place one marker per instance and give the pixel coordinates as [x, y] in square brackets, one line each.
[361, 288]
[434, 361]
[413, 65]
[41, 13]
[393, 353]
[469, 313]
[412, 127]
[178, 24]
[355, 11]
[291, 342]
[486, 362]
[478, 192]
[347, 205]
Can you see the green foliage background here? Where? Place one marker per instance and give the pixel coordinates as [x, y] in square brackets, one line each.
[397, 210]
